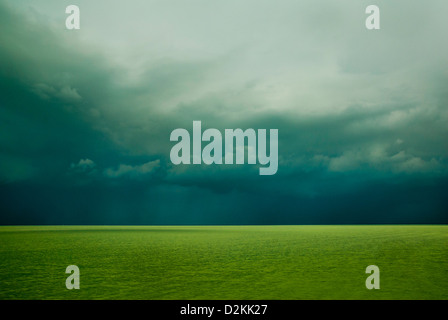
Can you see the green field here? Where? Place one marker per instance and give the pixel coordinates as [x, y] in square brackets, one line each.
[224, 262]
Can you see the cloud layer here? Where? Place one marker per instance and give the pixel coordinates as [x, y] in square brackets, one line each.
[86, 115]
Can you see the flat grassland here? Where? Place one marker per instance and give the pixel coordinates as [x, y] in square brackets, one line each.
[224, 262]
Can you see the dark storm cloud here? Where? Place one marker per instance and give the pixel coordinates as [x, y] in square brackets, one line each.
[84, 132]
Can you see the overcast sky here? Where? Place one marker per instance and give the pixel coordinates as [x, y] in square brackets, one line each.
[86, 115]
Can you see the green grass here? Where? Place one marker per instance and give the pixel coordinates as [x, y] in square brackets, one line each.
[229, 262]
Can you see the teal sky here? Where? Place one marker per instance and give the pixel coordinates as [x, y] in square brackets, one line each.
[86, 115]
